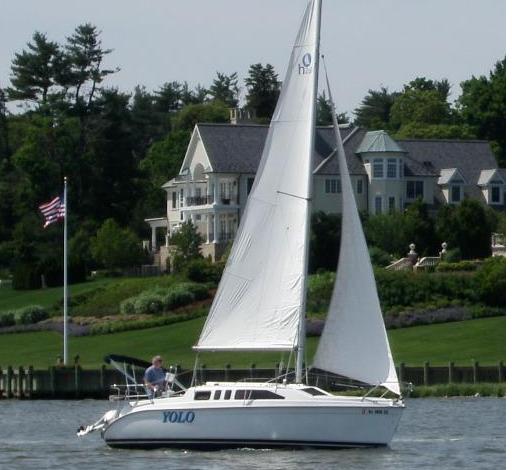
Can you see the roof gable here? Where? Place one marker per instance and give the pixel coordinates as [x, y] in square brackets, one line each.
[451, 175]
[378, 141]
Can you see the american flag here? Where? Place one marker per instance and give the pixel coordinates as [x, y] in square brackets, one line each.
[53, 210]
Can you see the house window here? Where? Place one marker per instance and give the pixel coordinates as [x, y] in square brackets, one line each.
[359, 186]
[198, 192]
[333, 186]
[378, 168]
[198, 217]
[455, 193]
[391, 204]
[181, 197]
[174, 199]
[378, 204]
[414, 189]
[391, 167]
[250, 182]
[495, 194]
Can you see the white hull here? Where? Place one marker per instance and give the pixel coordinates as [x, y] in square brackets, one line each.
[325, 421]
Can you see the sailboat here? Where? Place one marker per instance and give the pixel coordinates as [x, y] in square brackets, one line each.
[260, 306]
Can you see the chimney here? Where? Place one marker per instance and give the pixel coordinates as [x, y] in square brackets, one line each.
[240, 116]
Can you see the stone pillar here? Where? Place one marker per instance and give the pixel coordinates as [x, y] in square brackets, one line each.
[208, 219]
[153, 238]
[216, 191]
[215, 228]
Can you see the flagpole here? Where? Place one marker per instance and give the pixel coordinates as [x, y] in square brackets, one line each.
[65, 271]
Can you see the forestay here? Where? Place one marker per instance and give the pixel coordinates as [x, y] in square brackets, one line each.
[354, 341]
[260, 296]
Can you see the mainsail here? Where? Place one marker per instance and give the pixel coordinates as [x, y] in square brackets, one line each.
[260, 298]
[354, 341]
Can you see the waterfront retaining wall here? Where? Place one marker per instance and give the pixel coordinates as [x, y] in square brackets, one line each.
[76, 382]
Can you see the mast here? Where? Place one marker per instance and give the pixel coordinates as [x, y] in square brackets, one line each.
[302, 318]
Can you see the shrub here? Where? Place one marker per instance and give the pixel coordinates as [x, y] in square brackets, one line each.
[177, 298]
[7, 319]
[199, 291]
[202, 270]
[32, 314]
[491, 281]
[458, 266]
[127, 306]
[379, 257]
[148, 303]
[319, 291]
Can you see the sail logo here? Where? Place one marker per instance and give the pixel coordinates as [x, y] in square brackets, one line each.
[305, 67]
[178, 416]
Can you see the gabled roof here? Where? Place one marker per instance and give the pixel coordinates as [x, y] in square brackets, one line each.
[238, 149]
[487, 176]
[450, 174]
[378, 141]
[468, 156]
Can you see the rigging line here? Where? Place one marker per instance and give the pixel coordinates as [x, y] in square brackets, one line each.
[294, 195]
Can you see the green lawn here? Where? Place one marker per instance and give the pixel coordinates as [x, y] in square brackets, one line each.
[14, 299]
[483, 340]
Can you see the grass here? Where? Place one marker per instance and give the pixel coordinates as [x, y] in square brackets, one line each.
[461, 342]
[13, 299]
[105, 294]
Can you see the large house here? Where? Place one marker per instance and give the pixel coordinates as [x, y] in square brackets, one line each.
[221, 161]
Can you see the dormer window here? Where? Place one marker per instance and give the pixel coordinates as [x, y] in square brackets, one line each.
[456, 192]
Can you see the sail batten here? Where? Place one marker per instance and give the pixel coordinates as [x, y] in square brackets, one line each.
[354, 342]
[259, 302]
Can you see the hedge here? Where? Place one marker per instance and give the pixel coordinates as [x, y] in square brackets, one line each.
[160, 299]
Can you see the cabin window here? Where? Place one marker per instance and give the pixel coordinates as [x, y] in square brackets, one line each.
[378, 205]
[227, 394]
[216, 395]
[359, 186]
[378, 168]
[314, 391]
[257, 395]
[391, 167]
[202, 395]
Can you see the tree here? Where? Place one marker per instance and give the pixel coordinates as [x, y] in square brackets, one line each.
[193, 114]
[375, 109]
[419, 229]
[466, 227]
[325, 241]
[262, 90]
[482, 105]
[324, 115]
[83, 57]
[225, 89]
[188, 244]
[33, 70]
[115, 247]
[415, 130]
[419, 106]
[423, 84]
[168, 99]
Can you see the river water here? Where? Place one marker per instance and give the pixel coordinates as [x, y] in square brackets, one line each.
[449, 433]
